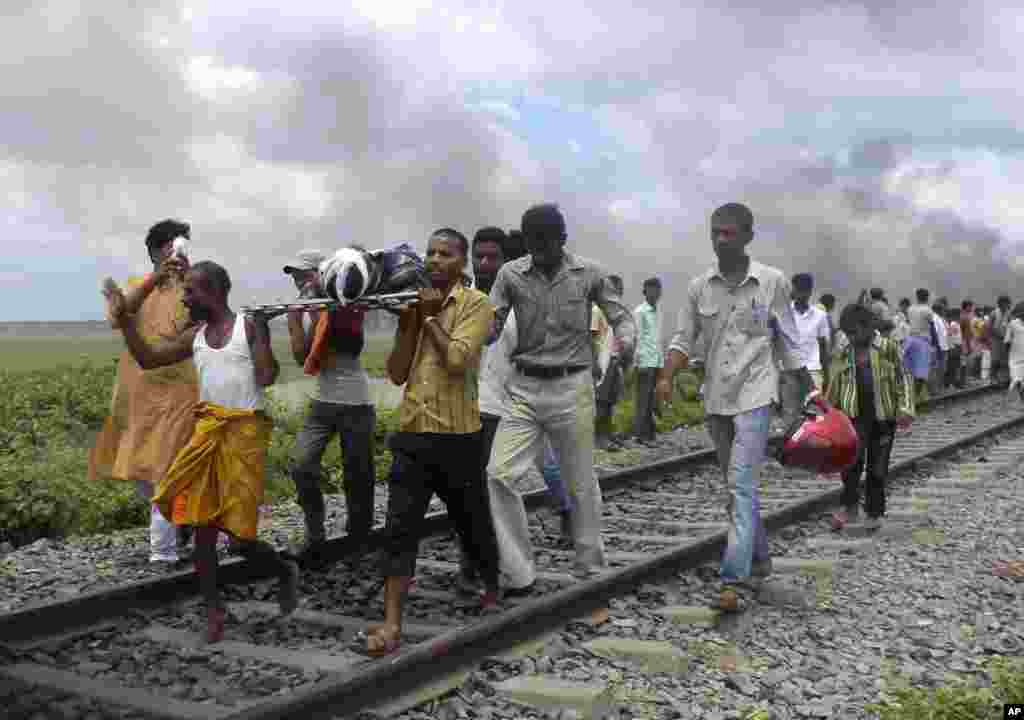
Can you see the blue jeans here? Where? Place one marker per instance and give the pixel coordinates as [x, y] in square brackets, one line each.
[741, 442]
[552, 474]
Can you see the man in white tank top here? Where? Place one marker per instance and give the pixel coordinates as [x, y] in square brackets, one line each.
[216, 481]
[340, 405]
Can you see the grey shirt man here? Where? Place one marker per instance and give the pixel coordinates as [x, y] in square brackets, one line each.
[919, 317]
[743, 330]
[553, 316]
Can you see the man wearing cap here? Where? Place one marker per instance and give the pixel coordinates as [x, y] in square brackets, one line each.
[327, 344]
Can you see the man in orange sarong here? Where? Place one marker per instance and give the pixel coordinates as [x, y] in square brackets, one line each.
[216, 482]
[151, 411]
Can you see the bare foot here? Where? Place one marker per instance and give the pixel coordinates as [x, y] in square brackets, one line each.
[382, 639]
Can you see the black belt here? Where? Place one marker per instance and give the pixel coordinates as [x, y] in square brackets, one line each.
[541, 371]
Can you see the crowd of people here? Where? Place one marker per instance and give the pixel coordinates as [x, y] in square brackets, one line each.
[510, 383]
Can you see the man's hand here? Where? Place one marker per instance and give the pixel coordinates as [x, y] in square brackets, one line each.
[431, 300]
[663, 390]
[117, 306]
[904, 421]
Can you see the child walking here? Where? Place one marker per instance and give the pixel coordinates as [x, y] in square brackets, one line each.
[869, 383]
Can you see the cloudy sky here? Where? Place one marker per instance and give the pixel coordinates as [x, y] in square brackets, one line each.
[877, 143]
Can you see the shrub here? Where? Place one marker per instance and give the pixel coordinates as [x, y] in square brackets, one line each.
[963, 701]
[684, 410]
[48, 419]
[44, 493]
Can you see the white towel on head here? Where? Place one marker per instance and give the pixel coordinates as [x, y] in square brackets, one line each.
[334, 273]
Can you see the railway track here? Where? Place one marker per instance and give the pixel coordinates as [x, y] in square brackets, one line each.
[134, 651]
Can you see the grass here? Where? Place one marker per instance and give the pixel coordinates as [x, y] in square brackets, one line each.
[22, 354]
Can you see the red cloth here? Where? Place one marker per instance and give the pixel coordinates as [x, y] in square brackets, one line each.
[340, 321]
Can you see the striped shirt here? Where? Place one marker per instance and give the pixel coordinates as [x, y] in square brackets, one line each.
[442, 394]
[893, 385]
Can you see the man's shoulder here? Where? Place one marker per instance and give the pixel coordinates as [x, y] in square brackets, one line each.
[472, 296]
[584, 264]
[765, 273]
[517, 266]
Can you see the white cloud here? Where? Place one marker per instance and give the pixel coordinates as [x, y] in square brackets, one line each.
[213, 81]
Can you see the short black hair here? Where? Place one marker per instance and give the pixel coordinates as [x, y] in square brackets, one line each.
[545, 219]
[492, 235]
[938, 308]
[855, 316]
[514, 247]
[877, 293]
[616, 280]
[828, 300]
[738, 213]
[803, 282]
[1003, 299]
[952, 313]
[967, 304]
[214, 276]
[453, 234]
[1018, 310]
[652, 282]
[904, 302]
[165, 231]
[922, 295]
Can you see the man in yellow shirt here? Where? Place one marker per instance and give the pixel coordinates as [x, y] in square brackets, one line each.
[437, 449]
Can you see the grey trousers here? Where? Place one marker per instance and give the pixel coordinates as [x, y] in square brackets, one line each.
[354, 425]
[563, 409]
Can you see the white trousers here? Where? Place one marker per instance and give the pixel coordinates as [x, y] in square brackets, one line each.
[163, 535]
[563, 410]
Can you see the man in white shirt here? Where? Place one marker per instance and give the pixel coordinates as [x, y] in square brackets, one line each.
[812, 324]
[738, 316]
[938, 375]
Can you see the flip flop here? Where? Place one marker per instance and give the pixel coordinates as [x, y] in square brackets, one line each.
[390, 646]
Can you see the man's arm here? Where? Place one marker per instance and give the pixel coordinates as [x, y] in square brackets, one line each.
[824, 338]
[399, 362]
[265, 365]
[150, 357]
[680, 347]
[147, 356]
[300, 340]
[502, 304]
[462, 346]
[617, 315]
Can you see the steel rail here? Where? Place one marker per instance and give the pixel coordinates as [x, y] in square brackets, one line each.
[384, 679]
[28, 624]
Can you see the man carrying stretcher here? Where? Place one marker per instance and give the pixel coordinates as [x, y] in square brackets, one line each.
[216, 482]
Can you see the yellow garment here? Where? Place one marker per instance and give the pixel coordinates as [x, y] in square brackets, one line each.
[439, 400]
[151, 410]
[217, 479]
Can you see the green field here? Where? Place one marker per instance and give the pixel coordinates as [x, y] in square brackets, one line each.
[47, 352]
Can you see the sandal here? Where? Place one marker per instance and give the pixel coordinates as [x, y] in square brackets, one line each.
[1013, 569]
[390, 645]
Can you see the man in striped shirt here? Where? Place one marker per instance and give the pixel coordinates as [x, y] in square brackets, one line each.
[437, 449]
